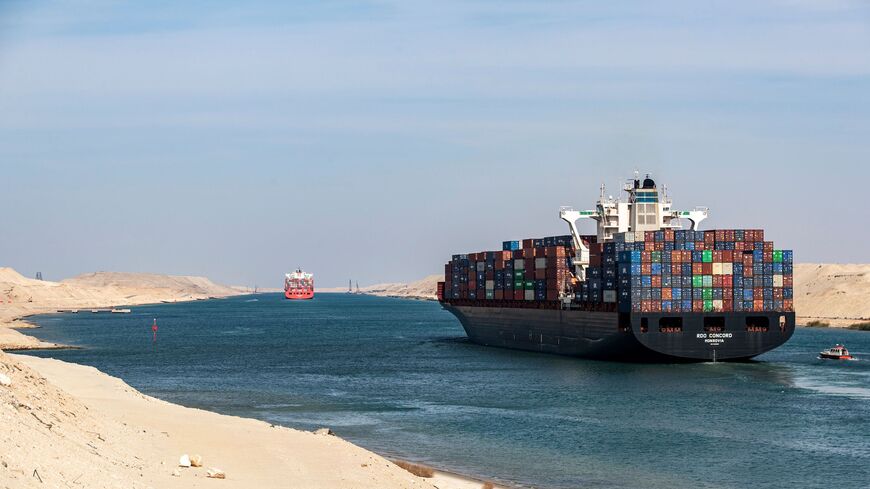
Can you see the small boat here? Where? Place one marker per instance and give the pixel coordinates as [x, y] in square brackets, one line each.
[837, 352]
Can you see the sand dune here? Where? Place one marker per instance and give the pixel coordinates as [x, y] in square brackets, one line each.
[425, 288]
[21, 296]
[833, 293]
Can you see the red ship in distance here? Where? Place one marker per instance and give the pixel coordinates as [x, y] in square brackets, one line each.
[299, 285]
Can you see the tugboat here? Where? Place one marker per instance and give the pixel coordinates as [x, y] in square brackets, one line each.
[837, 352]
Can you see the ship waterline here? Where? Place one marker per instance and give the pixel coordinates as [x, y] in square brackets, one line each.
[623, 336]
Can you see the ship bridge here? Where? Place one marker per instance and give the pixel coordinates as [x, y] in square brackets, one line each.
[645, 209]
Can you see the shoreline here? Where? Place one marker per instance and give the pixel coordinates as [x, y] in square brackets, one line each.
[61, 374]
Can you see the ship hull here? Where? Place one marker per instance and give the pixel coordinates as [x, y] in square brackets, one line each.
[624, 336]
[298, 295]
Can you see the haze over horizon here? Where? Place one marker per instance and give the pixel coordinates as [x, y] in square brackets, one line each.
[372, 140]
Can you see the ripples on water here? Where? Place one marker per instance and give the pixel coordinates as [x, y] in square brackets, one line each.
[399, 377]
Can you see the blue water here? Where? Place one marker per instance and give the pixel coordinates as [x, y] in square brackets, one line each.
[398, 377]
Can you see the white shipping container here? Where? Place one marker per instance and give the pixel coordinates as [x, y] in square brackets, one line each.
[609, 296]
[777, 280]
[519, 264]
[727, 269]
[717, 269]
[530, 295]
[490, 285]
[718, 305]
[629, 237]
[540, 263]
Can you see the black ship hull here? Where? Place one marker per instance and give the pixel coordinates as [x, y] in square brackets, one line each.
[636, 337]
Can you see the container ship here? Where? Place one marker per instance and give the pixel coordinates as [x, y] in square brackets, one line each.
[642, 289]
[299, 285]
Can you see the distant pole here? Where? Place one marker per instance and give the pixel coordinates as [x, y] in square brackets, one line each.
[38, 275]
[154, 331]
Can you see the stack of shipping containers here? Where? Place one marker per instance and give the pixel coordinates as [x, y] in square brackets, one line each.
[654, 271]
[727, 270]
[528, 270]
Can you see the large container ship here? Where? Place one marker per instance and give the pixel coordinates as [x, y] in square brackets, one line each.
[642, 289]
[299, 285]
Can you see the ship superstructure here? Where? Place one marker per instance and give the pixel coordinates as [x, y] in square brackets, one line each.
[645, 209]
[299, 285]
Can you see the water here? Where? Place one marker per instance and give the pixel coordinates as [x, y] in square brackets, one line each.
[398, 377]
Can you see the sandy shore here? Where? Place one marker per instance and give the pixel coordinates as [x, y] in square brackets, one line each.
[74, 426]
[67, 425]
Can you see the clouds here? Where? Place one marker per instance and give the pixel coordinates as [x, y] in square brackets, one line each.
[449, 108]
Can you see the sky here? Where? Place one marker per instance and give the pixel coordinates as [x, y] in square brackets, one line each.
[371, 140]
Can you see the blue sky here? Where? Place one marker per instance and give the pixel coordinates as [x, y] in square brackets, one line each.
[370, 140]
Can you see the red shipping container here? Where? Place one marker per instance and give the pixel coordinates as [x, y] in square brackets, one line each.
[519, 295]
[646, 256]
[788, 280]
[768, 246]
[788, 305]
[698, 306]
[528, 243]
[506, 255]
[529, 273]
[727, 281]
[717, 281]
[727, 294]
[440, 291]
[728, 305]
[552, 295]
[659, 246]
[472, 284]
[727, 256]
[768, 256]
[669, 234]
[655, 306]
[707, 268]
[676, 269]
[645, 306]
[758, 305]
[699, 245]
[717, 256]
[646, 268]
[540, 274]
[777, 293]
[656, 281]
[498, 294]
[555, 251]
[490, 275]
[666, 294]
[747, 271]
[649, 236]
[697, 268]
[499, 264]
[757, 293]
